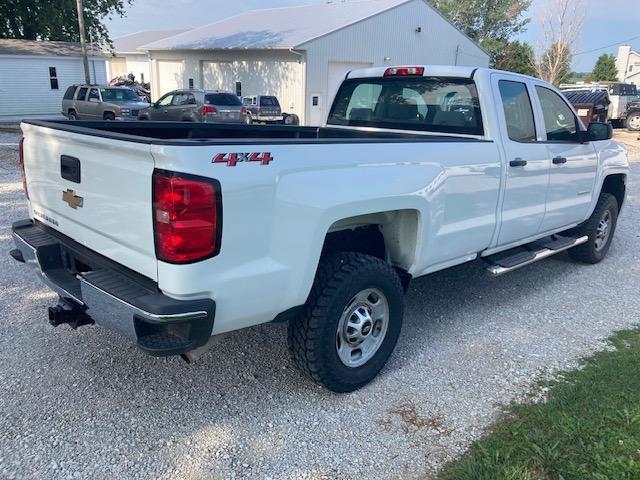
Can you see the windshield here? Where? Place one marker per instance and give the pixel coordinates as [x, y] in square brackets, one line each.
[119, 95]
[430, 104]
[222, 99]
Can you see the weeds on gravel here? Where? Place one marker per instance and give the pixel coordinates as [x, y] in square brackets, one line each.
[589, 427]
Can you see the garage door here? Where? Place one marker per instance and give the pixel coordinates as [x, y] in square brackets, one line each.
[218, 76]
[117, 67]
[170, 76]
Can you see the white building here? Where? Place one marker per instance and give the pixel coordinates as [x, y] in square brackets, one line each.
[301, 54]
[129, 59]
[628, 65]
[34, 76]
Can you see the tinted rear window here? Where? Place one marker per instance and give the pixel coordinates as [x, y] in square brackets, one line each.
[68, 95]
[82, 93]
[221, 99]
[269, 102]
[430, 104]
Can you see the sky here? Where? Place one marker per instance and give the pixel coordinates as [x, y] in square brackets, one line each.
[607, 22]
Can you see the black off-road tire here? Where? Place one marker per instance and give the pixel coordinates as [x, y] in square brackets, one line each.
[312, 335]
[109, 116]
[72, 115]
[587, 252]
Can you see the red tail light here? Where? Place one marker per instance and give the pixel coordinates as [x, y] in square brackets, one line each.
[258, 111]
[21, 164]
[187, 216]
[403, 71]
[244, 110]
[206, 109]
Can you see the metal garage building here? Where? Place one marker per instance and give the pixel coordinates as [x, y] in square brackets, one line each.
[301, 54]
[34, 76]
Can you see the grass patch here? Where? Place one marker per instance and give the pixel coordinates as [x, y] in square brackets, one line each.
[589, 427]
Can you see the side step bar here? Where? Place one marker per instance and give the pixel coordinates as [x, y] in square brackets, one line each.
[501, 263]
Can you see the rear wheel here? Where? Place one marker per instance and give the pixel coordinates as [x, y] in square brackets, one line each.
[72, 115]
[633, 121]
[599, 228]
[351, 322]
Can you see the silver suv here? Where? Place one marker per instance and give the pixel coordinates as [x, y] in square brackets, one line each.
[211, 106]
[95, 102]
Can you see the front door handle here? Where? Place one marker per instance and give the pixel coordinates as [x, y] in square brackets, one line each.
[517, 162]
[559, 160]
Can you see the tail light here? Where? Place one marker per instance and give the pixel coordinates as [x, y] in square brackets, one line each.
[258, 111]
[187, 216]
[23, 175]
[209, 109]
[244, 110]
[403, 71]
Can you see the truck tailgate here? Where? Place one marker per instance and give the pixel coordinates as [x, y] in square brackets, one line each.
[106, 206]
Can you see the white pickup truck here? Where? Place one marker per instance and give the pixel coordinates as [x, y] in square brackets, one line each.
[172, 233]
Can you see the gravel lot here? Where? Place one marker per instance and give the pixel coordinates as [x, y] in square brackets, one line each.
[86, 404]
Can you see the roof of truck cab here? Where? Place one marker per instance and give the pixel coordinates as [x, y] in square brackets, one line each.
[429, 71]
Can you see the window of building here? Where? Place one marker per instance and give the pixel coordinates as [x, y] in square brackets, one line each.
[53, 78]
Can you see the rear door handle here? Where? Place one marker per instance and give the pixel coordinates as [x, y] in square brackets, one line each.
[559, 160]
[517, 162]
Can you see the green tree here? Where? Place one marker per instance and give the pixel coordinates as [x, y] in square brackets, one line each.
[57, 19]
[491, 23]
[515, 57]
[605, 69]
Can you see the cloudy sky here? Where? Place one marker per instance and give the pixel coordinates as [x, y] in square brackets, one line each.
[608, 22]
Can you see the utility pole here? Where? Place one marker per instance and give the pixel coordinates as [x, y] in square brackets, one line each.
[83, 43]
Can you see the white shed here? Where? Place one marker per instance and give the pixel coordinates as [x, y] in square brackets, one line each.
[127, 57]
[301, 54]
[34, 76]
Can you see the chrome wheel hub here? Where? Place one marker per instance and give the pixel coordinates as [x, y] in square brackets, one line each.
[634, 122]
[362, 327]
[603, 231]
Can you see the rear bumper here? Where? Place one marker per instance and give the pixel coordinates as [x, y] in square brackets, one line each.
[269, 118]
[112, 295]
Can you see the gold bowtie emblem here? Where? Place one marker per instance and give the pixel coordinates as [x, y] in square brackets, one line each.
[73, 200]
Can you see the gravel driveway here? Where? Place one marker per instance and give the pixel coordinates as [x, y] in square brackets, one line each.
[87, 404]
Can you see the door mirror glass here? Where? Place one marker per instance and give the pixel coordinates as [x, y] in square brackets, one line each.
[599, 131]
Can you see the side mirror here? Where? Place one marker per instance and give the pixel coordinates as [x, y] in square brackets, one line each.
[597, 131]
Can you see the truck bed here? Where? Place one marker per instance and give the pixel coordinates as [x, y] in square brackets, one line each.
[184, 133]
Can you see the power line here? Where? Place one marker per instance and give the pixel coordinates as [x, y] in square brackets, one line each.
[607, 46]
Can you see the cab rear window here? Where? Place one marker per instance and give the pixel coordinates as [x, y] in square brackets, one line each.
[429, 104]
[269, 102]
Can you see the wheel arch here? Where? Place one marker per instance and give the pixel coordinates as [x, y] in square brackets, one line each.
[616, 185]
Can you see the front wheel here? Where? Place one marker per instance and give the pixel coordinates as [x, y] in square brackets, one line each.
[599, 228]
[350, 323]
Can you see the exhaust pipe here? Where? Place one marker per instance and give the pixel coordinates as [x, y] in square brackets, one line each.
[74, 317]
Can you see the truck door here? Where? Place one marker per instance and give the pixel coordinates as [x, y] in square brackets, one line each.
[573, 164]
[526, 169]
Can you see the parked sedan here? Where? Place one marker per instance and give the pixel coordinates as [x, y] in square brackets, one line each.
[210, 106]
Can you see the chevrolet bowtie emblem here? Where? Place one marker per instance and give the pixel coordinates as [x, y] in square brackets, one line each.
[73, 200]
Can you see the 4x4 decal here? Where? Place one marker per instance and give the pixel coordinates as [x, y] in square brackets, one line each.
[232, 159]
